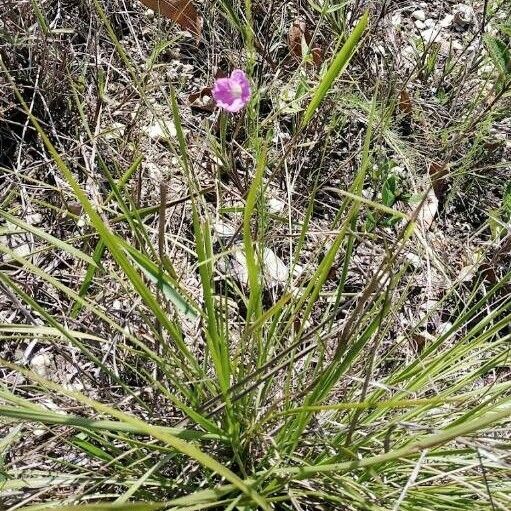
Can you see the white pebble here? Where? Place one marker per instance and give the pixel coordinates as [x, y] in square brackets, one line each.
[447, 21]
[419, 15]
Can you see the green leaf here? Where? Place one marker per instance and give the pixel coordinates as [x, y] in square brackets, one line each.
[506, 29]
[506, 203]
[100, 247]
[388, 193]
[339, 64]
[91, 449]
[133, 506]
[499, 54]
[161, 280]
[89, 277]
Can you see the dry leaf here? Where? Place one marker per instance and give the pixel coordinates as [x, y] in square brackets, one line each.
[488, 273]
[202, 100]
[437, 173]
[419, 341]
[220, 74]
[74, 207]
[429, 210]
[182, 12]
[318, 56]
[298, 32]
[405, 103]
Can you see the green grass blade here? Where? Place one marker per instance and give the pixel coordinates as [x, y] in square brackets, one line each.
[38, 414]
[59, 244]
[109, 238]
[253, 267]
[99, 251]
[339, 64]
[182, 446]
[162, 281]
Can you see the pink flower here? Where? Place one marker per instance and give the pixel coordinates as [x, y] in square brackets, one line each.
[232, 93]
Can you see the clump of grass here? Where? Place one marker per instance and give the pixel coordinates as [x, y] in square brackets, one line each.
[140, 371]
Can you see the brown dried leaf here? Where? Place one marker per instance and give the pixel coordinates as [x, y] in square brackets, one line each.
[298, 32]
[182, 12]
[318, 56]
[220, 74]
[419, 341]
[405, 103]
[438, 173]
[200, 101]
[488, 272]
[74, 207]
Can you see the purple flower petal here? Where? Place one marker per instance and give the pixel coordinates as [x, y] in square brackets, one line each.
[232, 93]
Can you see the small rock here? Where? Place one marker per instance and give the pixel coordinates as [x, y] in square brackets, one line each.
[456, 45]
[396, 20]
[18, 241]
[464, 16]
[367, 193]
[34, 219]
[444, 328]
[76, 386]
[430, 305]
[486, 70]
[472, 49]
[400, 171]
[447, 21]
[297, 271]
[275, 269]
[161, 130]
[41, 364]
[238, 265]
[380, 48]
[51, 405]
[115, 131]
[187, 69]
[408, 57]
[429, 35]
[276, 205]
[419, 14]
[223, 230]
[414, 260]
